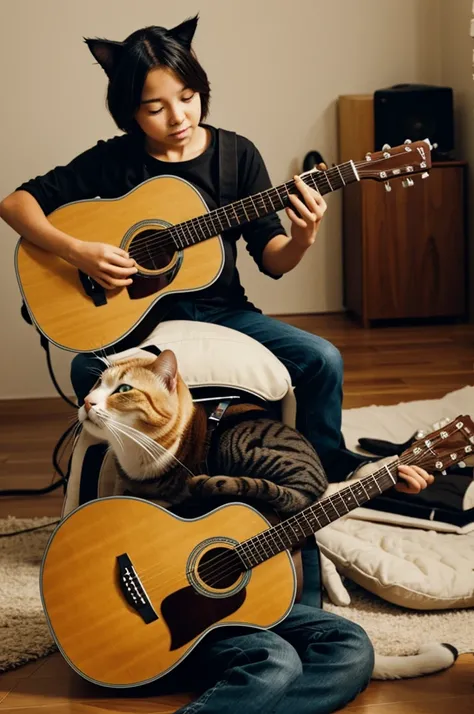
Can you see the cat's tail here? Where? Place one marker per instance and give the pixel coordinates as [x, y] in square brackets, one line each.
[431, 657]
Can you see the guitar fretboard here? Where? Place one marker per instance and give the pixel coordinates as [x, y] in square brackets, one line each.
[296, 529]
[261, 204]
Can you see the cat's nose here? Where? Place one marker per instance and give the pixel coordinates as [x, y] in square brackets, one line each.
[88, 404]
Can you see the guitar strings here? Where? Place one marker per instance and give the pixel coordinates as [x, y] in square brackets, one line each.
[337, 499]
[143, 247]
[215, 565]
[246, 203]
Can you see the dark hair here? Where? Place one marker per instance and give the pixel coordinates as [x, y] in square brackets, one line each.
[128, 63]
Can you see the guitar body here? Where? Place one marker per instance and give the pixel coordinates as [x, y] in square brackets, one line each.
[178, 595]
[52, 288]
[129, 589]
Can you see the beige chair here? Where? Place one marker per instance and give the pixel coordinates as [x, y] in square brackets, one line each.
[208, 355]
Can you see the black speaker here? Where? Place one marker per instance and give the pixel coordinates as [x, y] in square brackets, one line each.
[415, 111]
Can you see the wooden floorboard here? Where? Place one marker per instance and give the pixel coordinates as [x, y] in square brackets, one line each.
[382, 366]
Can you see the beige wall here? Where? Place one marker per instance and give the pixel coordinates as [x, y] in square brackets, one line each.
[456, 71]
[275, 75]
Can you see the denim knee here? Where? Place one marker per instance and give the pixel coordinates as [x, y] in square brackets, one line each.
[362, 656]
[328, 358]
[279, 658]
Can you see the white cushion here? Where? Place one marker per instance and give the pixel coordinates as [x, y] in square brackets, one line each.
[213, 355]
[410, 567]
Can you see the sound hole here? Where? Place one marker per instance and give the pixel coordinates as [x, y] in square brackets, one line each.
[220, 568]
[152, 249]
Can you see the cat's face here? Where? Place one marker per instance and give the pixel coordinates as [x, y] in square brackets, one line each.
[146, 395]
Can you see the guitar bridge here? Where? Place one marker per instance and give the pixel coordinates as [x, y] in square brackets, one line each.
[93, 289]
[133, 590]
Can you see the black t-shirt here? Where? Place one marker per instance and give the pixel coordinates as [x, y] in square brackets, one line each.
[112, 168]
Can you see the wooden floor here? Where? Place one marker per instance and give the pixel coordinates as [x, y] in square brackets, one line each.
[382, 366]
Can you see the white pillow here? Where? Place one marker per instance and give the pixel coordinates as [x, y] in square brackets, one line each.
[420, 570]
[217, 356]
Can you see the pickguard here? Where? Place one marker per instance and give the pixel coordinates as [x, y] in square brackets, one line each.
[188, 613]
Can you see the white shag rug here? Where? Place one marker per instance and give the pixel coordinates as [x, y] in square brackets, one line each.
[394, 630]
[24, 634]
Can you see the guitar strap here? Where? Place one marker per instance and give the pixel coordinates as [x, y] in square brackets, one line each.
[228, 166]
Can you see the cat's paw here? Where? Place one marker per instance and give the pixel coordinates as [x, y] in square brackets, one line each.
[197, 483]
[217, 485]
[332, 582]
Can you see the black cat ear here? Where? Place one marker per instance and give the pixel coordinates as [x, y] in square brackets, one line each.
[166, 367]
[184, 32]
[106, 52]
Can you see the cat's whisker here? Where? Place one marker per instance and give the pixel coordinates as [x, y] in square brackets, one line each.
[76, 429]
[116, 434]
[102, 358]
[145, 441]
[133, 437]
[159, 449]
[96, 371]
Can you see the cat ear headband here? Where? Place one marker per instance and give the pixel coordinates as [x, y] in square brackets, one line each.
[108, 53]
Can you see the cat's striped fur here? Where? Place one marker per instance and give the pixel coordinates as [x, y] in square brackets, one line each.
[158, 437]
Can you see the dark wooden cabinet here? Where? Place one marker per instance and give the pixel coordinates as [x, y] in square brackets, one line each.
[405, 251]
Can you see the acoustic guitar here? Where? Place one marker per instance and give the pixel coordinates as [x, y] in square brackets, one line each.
[129, 589]
[165, 226]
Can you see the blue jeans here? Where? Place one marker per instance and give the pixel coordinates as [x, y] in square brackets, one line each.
[313, 662]
[314, 364]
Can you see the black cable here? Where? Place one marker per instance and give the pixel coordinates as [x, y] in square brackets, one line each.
[64, 478]
[28, 530]
[54, 380]
[62, 481]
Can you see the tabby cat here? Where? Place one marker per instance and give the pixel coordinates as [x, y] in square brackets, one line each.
[145, 411]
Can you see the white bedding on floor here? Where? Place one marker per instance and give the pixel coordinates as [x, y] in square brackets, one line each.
[415, 563]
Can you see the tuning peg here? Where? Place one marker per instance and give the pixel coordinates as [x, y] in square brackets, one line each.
[388, 188]
[425, 175]
[386, 147]
[368, 156]
[406, 183]
[407, 141]
[386, 155]
[443, 473]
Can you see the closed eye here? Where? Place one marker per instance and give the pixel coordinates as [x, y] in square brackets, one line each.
[188, 98]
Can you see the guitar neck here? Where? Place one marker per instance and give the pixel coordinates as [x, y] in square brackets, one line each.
[293, 531]
[261, 204]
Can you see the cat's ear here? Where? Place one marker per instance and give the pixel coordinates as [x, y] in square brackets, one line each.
[166, 367]
[184, 32]
[106, 52]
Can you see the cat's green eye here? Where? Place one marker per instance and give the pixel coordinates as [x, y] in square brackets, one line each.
[123, 388]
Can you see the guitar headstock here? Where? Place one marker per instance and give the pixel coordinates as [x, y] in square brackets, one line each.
[397, 162]
[449, 445]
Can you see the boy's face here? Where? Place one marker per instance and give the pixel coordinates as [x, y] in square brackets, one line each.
[170, 112]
